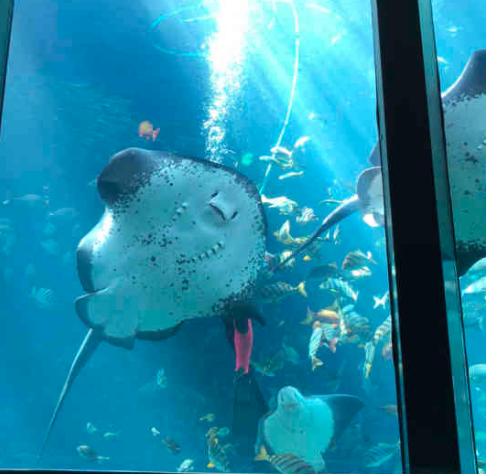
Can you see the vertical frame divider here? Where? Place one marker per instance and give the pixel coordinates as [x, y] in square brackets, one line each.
[428, 339]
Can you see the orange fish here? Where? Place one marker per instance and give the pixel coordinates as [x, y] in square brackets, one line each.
[324, 316]
[146, 129]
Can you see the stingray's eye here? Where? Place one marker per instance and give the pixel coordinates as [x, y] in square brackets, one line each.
[214, 194]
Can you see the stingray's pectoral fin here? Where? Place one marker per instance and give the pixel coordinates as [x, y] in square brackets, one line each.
[243, 311]
[112, 313]
[344, 408]
[89, 345]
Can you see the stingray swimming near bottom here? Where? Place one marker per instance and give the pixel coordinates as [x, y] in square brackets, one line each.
[306, 426]
[464, 106]
[180, 238]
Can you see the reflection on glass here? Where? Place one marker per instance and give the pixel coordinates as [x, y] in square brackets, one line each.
[462, 67]
[249, 289]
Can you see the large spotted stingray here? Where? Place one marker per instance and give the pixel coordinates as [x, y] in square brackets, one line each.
[180, 238]
[464, 106]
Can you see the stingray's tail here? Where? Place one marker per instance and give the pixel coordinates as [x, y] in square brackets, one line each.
[348, 207]
[89, 345]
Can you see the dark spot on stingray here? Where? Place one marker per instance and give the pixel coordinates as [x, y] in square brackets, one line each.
[214, 194]
[234, 214]
[466, 193]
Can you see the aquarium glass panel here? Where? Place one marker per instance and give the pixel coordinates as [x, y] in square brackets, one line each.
[461, 61]
[189, 279]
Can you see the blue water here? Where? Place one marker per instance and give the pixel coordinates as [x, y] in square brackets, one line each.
[81, 77]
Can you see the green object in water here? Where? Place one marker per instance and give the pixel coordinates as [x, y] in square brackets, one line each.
[247, 159]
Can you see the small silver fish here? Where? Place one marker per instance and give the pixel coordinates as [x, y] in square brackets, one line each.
[380, 301]
[357, 273]
[335, 235]
[280, 150]
[291, 174]
[370, 350]
[306, 215]
[44, 298]
[186, 466]
[283, 204]
[301, 142]
[89, 453]
[90, 428]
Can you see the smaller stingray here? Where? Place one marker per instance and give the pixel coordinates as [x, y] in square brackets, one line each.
[463, 104]
[306, 426]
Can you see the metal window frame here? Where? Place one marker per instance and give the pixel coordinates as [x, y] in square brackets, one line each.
[6, 16]
[435, 416]
[428, 337]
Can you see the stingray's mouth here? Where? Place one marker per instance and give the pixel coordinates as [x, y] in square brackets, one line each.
[218, 211]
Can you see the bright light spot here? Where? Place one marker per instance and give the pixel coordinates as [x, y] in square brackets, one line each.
[226, 55]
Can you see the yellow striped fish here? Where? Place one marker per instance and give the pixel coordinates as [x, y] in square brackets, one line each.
[314, 343]
[382, 330]
[286, 463]
[274, 292]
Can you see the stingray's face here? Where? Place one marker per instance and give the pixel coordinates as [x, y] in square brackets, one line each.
[289, 399]
[179, 239]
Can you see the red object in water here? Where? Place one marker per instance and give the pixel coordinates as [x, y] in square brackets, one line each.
[243, 347]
